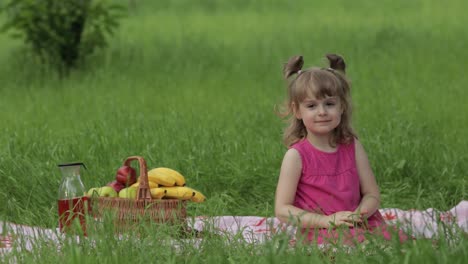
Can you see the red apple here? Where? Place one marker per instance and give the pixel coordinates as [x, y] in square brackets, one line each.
[126, 175]
[116, 185]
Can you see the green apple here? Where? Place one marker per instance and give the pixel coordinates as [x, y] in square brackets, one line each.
[129, 192]
[107, 191]
[93, 192]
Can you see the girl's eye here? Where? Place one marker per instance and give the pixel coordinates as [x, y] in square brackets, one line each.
[311, 106]
[331, 103]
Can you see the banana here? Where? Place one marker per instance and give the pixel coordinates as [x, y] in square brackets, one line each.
[151, 184]
[179, 178]
[149, 180]
[198, 197]
[179, 192]
[167, 172]
[157, 193]
[163, 179]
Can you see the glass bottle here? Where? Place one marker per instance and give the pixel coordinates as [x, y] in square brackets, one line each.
[72, 199]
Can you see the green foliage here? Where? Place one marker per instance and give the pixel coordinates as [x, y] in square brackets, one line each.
[62, 32]
[197, 93]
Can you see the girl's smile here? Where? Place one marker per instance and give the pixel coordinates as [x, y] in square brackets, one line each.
[320, 116]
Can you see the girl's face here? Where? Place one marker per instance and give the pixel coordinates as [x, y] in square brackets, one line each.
[320, 116]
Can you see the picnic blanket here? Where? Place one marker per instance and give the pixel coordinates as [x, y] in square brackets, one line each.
[256, 229]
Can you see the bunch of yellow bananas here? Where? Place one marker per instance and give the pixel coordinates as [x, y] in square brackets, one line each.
[168, 183]
[166, 177]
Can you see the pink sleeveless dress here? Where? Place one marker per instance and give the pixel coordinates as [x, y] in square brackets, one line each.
[329, 183]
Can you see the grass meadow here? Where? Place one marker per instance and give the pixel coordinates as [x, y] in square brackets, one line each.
[193, 85]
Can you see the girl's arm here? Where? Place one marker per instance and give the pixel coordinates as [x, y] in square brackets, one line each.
[369, 190]
[286, 191]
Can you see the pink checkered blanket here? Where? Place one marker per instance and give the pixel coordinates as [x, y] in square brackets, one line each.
[256, 229]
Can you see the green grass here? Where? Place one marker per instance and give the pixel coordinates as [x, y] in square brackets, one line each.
[192, 85]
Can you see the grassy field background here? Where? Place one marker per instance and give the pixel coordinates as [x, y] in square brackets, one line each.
[192, 85]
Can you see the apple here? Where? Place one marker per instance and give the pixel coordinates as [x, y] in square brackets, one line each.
[129, 192]
[93, 192]
[116, 185]
[126, 175]
[107, 191]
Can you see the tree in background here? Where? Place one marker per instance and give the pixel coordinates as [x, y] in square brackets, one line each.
[62, 32]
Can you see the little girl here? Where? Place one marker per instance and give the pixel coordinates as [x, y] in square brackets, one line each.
[326, 180]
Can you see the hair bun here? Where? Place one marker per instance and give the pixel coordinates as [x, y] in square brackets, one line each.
[336, 62]
[293, 66]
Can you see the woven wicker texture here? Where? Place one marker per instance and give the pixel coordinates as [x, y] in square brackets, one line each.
[129, 212]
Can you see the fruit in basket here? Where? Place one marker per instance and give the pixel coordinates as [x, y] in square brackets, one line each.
[166, 177]
[161, 179]
[178, 192]
[179, 179]
[129, 192]
[116, 185]
[151, 184]
[107, 191]
[198, 197]
[157, 193]
[126, 175]
[93, 192]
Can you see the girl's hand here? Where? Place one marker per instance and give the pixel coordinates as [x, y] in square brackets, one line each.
[363, 214]
[346, 218]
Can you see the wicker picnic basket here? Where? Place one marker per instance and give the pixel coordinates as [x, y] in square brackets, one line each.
[128, 213]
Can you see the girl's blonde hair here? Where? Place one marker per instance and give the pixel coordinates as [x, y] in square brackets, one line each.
[319, 83]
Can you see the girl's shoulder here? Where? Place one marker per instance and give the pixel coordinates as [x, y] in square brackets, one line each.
[298, 149]
[303, 146]
[292, 157]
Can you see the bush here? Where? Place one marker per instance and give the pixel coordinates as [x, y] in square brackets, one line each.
[62, 32]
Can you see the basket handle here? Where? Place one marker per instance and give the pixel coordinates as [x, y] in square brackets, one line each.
[144, 192]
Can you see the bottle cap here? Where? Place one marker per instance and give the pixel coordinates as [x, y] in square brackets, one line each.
[72, 164]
